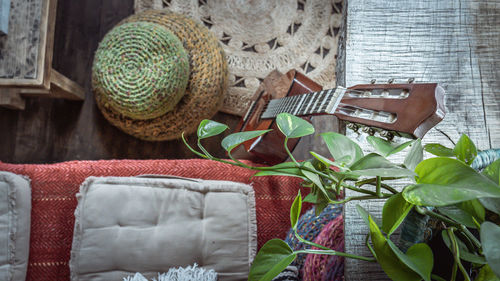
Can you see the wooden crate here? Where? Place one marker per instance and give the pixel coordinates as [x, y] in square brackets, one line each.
[26, 56]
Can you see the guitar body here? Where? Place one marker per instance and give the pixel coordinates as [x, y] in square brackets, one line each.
[269, 148]
[404, 110]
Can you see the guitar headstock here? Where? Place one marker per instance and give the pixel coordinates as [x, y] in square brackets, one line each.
[406, 110]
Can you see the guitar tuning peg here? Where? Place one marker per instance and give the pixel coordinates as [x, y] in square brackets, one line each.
[369, 131]
[373, 81]
[353, 127]
[388, 135]
[390, 81]
[411, 80]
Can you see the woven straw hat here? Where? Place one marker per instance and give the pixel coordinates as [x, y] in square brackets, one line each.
[143, 84]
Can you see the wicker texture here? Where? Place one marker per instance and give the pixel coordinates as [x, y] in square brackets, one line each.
[327, 267]
[141, 70]
[54, 188]
[207, 82]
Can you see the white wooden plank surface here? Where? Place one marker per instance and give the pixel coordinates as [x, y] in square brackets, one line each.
[454, 43]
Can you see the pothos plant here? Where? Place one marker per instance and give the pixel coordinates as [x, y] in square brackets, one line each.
[462, 200]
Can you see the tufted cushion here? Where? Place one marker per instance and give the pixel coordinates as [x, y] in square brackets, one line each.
[125, 225]
[15, 209]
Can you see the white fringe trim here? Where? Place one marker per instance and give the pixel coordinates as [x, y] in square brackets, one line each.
[190, 273]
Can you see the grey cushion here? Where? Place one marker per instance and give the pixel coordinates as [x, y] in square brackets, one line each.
[15, 218]
[150, 224]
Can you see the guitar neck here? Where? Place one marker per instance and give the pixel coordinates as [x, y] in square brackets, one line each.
[322, 102]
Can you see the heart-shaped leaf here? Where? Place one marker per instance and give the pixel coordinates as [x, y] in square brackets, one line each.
[439, 150]
[490, 242]
[415, 155]
[342, 148]
[386, 148]
[418, 257]
[364, 215]
[376, 165]
[209, 128]
[457, 214]
[394, 212]
[391, 263]
[233, 140]
[445, 181]
[295, 210]
[272, 259]
[292, 126]
[465, 150]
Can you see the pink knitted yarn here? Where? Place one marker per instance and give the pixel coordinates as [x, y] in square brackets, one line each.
[326, 267]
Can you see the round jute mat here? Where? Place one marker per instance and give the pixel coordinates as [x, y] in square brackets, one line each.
[260, 36]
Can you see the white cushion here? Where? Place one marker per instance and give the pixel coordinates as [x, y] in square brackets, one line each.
[15, 219]
[126, 225]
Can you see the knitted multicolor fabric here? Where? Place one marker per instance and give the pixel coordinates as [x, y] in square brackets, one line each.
[309, 226]
[141, 70]
[205, 90]
[327, 267]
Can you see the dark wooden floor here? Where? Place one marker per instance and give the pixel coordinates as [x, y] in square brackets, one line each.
[58, 130]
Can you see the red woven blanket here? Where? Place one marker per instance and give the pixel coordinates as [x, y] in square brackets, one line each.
[53, 202]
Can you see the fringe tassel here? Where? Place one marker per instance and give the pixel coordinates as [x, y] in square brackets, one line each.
[190, 273]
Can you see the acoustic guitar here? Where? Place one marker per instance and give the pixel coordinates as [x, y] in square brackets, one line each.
[387, 110]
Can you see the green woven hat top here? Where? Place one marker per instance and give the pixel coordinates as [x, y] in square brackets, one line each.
[141, 70]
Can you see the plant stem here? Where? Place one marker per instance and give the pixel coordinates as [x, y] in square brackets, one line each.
[364, 197]
[379, 193]
[456, 253]
[334, 253]
[372, 182]
[289, 153]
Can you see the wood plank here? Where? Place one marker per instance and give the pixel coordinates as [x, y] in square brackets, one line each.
[63, 87]
[10, 98]
[454, 43]
[22, 52]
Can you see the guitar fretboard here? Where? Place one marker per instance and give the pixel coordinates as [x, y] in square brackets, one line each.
[325, 101]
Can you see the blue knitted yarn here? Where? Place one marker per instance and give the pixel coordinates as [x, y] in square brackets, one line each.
[308, 227]
[485, 158]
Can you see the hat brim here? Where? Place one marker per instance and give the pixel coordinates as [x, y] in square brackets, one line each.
[206, 88]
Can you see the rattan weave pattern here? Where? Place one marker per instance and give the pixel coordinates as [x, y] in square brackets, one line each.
[206, 88]
[140, 70]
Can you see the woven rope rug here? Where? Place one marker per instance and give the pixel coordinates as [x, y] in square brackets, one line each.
[260, 36]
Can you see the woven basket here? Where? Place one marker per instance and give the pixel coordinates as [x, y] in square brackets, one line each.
[205, 90]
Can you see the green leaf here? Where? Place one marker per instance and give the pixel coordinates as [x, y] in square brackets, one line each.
[233, 140]
[272, 259]
[486, 274]
[342, 148]
[457, 214]
[364, 215]
[295, 210]
[464, 252]
[474, 208]
[386, 148]
[465, 150]
[415, 155]
[490, 242]
[209, 128]
[313, 177]
[293, 126]
[394, 212]
[439, 150]
[325, 160]
[388, 260]
[376, 165]
[445, 181]
[493, 173]
[418, 257]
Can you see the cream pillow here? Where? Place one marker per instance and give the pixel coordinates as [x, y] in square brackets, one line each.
[149, 224]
